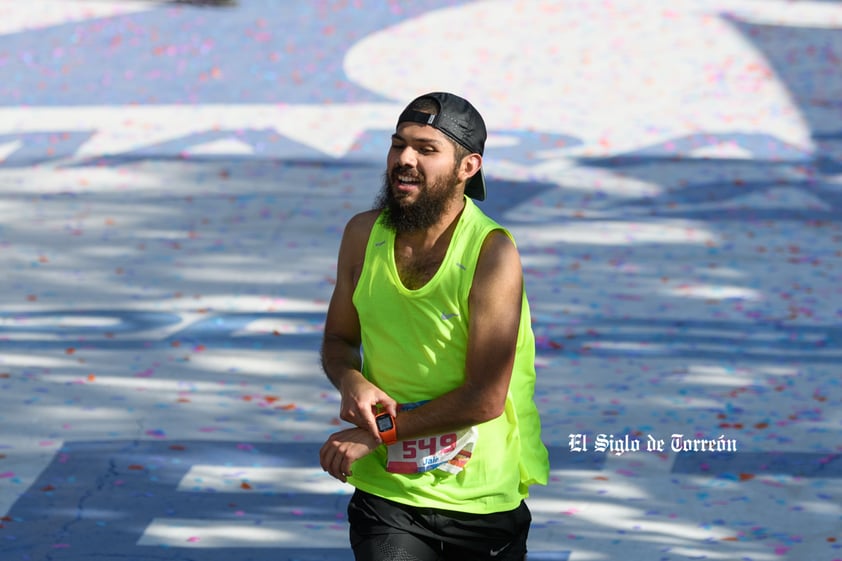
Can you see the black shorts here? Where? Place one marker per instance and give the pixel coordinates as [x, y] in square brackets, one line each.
[383, 530]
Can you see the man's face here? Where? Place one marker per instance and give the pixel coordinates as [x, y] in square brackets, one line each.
[420, 179]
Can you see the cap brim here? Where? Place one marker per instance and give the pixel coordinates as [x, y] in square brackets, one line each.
[475, 188]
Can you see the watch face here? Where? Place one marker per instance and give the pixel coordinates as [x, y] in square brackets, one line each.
[384, 423]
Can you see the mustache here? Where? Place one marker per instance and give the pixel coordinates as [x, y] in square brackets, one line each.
[405, 171]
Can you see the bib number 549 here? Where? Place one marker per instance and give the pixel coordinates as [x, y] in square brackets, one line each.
[423, 447]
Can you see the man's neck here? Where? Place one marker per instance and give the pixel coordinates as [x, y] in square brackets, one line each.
[419, 255]
[427, 238]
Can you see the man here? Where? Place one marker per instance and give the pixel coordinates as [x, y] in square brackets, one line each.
[428, 339]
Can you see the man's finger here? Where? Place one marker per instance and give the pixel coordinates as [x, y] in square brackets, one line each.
[323, 456]
[372, 427]
[337, 469]
[391, 406]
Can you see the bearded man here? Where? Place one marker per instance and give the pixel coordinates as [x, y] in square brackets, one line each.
[429, 341]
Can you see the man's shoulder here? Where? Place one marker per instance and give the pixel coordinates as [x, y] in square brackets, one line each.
[355, 237]
[498, 246]
[479, 219]
[486, 231]
[360, 225]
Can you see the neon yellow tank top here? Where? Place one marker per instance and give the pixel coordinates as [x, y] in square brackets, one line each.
[414, 348]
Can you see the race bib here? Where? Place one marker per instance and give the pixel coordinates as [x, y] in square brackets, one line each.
[448, 452]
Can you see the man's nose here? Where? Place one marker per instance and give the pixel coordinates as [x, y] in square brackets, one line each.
[407, 157]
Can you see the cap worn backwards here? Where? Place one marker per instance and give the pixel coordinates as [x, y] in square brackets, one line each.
[459, 120]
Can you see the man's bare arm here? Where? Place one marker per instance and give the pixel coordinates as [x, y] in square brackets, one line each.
[495, 307]
[341, 357]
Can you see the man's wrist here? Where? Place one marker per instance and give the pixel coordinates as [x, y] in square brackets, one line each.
[347, 378]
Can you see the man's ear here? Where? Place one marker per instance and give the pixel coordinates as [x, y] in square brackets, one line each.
[470, 166]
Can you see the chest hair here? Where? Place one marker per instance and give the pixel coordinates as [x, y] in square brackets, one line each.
[416, 268]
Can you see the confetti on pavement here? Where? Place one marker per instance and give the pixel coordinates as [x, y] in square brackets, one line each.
[174, 180]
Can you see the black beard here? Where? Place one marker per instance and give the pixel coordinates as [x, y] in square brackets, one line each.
[430, 206]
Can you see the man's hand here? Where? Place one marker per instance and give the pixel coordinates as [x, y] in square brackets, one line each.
[360, 401]
[343, 448]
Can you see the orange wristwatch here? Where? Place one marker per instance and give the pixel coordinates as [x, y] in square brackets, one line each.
[387, 428]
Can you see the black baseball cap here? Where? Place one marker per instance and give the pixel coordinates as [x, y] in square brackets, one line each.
[459, 120]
